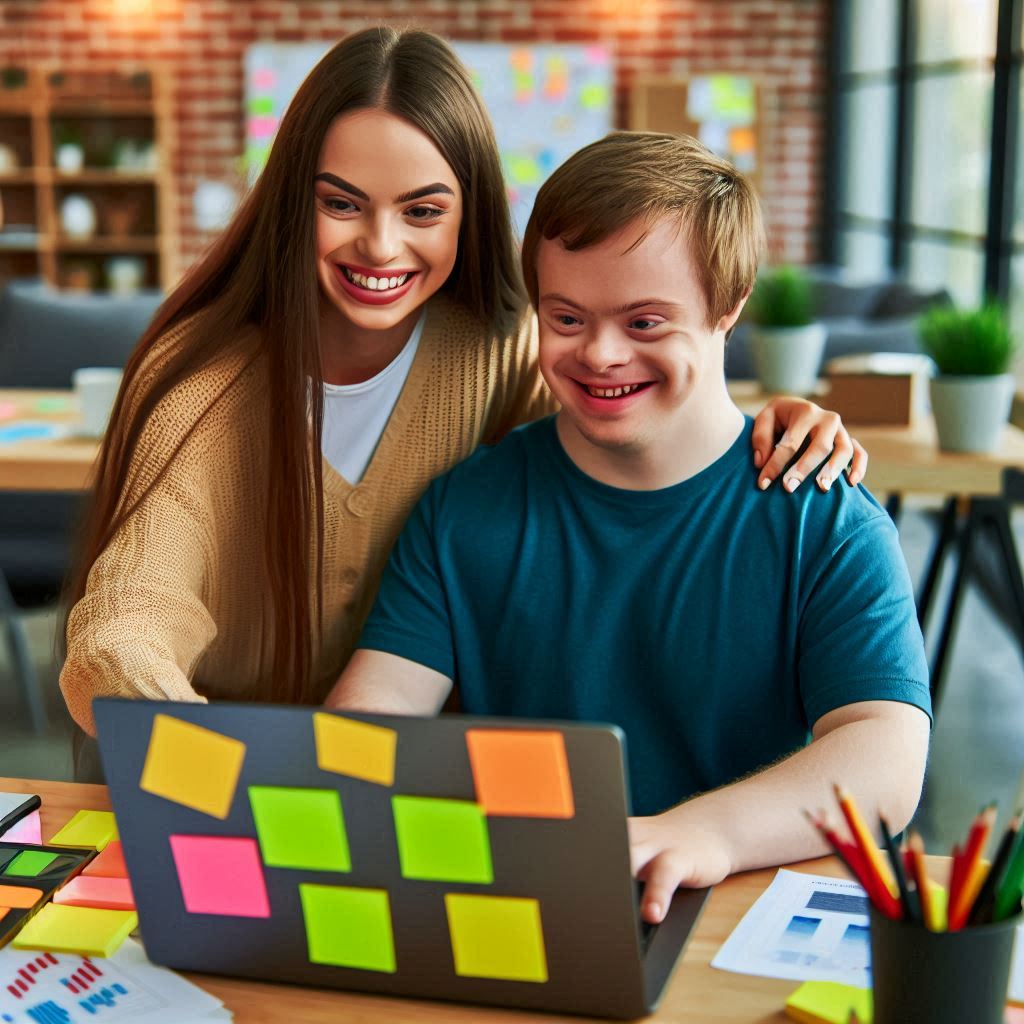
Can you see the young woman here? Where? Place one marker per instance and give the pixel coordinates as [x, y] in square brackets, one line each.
[358, 328]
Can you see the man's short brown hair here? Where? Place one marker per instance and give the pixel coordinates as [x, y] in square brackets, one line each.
[646, 176]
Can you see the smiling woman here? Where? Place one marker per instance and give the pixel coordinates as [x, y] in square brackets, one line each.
[360, 327]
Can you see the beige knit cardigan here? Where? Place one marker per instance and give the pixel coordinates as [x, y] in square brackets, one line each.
[175, 605]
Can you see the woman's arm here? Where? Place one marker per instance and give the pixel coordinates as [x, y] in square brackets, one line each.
[781, 428]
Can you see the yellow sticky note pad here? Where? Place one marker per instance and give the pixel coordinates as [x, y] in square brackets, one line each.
[87, 828]
[82, 930]
[193, 766]
[827, 1002]
[496, 937]
[359, 749]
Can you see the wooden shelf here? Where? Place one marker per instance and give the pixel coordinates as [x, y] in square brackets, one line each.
[101, 176]
[28, 176]
[107, 243]
[102, 108]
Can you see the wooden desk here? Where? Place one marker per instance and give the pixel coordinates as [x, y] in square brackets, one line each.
[696, 993]
[907, 460]
[59, 464]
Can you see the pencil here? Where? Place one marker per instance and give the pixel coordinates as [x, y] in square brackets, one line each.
[921, 879]
[974, 870]
[863, 838]
[984, 905]
[850, 856]
[1009, 891]
[897, 869]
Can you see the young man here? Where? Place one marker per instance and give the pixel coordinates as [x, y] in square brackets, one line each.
[617, 563]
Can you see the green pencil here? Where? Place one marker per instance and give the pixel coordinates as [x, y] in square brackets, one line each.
[1009, 892]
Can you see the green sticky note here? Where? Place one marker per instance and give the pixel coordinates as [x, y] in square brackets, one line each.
[442, 840]
[496, 937]
[87, 828]
[523, 170]
[261, 105]
[829, 1003]
[30, 863]
[348, 927]
[732, 98]
[593, 96]
[300, 828]
[51, 404]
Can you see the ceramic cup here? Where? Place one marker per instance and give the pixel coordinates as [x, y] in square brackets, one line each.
[96, 388]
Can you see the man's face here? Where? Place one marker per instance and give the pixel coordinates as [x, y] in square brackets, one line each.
[624, 342]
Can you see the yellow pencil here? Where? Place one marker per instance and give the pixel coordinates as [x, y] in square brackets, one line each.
[863, 838]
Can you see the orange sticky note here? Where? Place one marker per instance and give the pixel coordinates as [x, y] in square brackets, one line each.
[106, 893]
[109, 864]
[521, 772]
[192, 766]
[19, 897]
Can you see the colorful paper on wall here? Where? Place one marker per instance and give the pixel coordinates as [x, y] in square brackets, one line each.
[192, 766]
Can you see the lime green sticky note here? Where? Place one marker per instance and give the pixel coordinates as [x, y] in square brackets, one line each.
[593, 96]
[52, 404]
[442, 840]
[523, 170]
[300, 828]
[828, 1002]
[348, 927]
[261, 105]
[87, 828]
[30, 863]
[496, 937]
[86, 931]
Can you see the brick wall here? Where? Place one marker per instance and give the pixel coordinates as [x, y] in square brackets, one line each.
[201, 44]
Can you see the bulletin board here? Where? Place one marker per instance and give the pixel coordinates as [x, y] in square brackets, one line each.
[722, 110]
[546, 101]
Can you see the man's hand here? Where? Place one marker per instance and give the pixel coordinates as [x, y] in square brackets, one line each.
[670, 850]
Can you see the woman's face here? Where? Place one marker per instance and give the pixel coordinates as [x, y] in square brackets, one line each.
[388, 210]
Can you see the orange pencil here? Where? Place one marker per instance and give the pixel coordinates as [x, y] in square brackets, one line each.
[974, 869]
[863, 838]
[924, 894]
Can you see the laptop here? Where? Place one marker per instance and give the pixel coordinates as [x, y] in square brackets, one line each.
[480, 860]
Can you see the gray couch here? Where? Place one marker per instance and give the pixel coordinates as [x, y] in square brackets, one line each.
[877, 316]
[45, 336]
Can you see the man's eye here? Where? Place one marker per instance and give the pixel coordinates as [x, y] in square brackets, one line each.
[566, 320]
[425, 213]
[642, 324]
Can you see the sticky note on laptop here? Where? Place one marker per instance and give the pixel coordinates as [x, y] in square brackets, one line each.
[87, 828]
[82, 930]
[827, 1002]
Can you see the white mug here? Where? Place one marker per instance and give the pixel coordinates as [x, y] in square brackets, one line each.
[96, 388]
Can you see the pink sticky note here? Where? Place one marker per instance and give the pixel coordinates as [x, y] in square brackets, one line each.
[221, 875]
[103, 893]
[109, 864]
[8, 410]
[28, 830]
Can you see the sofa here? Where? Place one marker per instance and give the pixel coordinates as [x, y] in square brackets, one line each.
[875, 316]
[45, 335]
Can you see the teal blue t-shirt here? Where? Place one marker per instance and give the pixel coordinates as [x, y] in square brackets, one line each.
[712, 622]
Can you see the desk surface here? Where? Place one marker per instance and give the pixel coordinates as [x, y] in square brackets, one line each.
[903, 459]
[696, 993]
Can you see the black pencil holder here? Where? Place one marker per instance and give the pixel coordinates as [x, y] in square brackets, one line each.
[940, 977]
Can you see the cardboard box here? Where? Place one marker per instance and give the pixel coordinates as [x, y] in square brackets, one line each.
[878, 389]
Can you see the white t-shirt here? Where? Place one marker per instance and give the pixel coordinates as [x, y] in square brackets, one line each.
[355, 415]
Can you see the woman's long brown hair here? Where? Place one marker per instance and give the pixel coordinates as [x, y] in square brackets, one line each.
[261, 273]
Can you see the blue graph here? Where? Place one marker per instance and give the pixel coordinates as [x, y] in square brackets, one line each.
[106, 997]
[49, 1013]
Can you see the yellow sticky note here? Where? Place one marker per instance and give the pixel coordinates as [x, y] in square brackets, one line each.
[82, 930]
[87, 828]
[359, 749]
[827, 1002]
[192, 766]
[496, 937]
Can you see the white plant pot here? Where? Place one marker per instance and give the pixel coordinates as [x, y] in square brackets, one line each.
[70, 158]
[970, 412]
[788, 358]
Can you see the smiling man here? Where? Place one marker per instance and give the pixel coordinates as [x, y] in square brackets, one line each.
[617, 563]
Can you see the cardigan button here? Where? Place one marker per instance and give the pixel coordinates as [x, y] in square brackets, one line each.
[358, 502]
[349, 576]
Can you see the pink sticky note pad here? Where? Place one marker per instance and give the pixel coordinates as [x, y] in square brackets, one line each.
[109, 864]
[29, 830]
[8, 410]
[221, 875]
[91, 891]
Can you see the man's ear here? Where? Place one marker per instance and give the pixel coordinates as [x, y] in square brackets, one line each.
[729, 320]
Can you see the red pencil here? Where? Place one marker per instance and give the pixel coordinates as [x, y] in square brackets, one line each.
[973, 873]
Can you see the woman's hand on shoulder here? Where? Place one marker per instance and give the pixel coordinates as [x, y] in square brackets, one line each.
[780, 430]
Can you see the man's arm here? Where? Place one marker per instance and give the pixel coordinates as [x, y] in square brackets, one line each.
[875, 749]
[378, 683]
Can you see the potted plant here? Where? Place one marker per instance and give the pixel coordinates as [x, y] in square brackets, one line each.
[69, 152]
[786, 340]
[972, 390]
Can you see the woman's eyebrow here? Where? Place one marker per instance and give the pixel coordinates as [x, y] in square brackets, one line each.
[333, 179]
[437, 188]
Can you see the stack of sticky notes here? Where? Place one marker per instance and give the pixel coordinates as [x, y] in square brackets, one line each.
[828, 1002]
[87, 828]
[87, 931]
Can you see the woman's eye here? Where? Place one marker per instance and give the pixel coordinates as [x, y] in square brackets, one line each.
[338, 205]
[424, 212]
